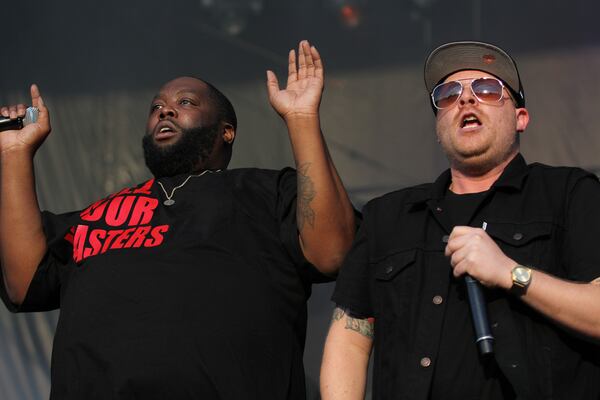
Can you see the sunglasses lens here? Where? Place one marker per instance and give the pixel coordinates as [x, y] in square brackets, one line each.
[446, 94]
[487, 90]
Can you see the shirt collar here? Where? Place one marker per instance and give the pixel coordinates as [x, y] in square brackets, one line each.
[511, 178]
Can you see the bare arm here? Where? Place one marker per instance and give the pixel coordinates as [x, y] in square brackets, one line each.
[324, 213]
[572, 304]
[346, 357]
[22, 239]
[575, 305]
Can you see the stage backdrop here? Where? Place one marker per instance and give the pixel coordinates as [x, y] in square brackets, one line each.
[99, 64]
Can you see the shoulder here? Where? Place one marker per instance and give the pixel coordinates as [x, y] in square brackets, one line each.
[404, 196]
[560, 177]
[268, 183]
[559, 171]
[258, 174]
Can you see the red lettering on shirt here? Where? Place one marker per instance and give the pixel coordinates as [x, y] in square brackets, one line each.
[138, 237]
[79, 242]
[145, 189]
[118, 243]
[95, 211]
[118, 210]
[95, 240]
[143, 211]
[110, 235]
[129, 207]
[157, 236]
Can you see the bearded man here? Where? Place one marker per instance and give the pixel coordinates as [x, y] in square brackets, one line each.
[192, 285]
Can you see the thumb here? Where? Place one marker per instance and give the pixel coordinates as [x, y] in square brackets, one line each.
[38, 102]
[272, 83]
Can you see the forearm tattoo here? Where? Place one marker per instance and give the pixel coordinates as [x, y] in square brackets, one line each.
[364, 326]
[306, 194]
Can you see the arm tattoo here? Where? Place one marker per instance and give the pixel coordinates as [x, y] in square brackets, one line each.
[306, 194]
[338, 313]
[364, 326]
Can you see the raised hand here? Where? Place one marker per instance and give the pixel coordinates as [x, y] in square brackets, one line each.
[31, 136]
[302, 94]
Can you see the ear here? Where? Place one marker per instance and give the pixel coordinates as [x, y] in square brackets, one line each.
[522, 119]
[228, 133]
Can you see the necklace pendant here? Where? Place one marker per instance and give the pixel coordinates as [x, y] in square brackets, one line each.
[169, 202]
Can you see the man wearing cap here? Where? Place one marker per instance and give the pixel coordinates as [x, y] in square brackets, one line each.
[527, 233]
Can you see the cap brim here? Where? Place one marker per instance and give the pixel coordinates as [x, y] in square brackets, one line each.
[459, 56]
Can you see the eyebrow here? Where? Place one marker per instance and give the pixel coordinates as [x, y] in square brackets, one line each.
[186, 91]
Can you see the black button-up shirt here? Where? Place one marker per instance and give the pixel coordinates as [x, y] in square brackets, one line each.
[544, 217]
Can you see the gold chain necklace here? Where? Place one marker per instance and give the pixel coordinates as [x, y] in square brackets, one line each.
[169, 201]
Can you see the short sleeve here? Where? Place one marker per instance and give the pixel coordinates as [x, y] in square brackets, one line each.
[286, 213]
[352, 288]
[582, 237]
[44, 291]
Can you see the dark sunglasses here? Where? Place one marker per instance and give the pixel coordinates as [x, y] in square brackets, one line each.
[486, 90]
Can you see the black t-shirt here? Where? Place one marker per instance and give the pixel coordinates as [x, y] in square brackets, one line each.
[461, 372]
[205, 298]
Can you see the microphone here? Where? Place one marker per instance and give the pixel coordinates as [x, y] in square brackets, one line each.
[483, 332]
[31, 116]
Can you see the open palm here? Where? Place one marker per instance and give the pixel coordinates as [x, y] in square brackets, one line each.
[302, 94]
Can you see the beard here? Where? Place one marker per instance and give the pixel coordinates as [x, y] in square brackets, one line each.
[184, 156]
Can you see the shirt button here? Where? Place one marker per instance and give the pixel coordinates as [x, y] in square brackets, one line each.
[518, 236]
[445, 238]
[425, 362]
[389, 269]
[437, 300]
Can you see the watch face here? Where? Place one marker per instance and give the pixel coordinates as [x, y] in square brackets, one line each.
[522, 274]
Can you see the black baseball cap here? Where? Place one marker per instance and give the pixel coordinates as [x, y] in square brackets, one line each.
[457, 56]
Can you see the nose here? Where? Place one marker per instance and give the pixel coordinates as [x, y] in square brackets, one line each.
[167, 111]
[467, 96]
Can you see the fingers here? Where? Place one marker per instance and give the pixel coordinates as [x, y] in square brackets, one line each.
[310, 65]
[292, 71]
[301, 61]
[458, 239]
[457, 261]
[463, 230]
[317, 61]
[13, 111]
[272, 83]
[307, 64]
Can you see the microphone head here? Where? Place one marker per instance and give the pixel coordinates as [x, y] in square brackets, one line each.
[31, 115]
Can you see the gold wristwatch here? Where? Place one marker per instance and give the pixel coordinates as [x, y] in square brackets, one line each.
[521, 278]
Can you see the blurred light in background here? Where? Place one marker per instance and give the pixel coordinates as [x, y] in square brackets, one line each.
[349, 12]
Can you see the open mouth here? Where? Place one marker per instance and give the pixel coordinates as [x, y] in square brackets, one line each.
[164, 130]
[470, 121]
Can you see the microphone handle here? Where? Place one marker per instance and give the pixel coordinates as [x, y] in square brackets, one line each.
[483, 332]
[7, 124]
[31, 116]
